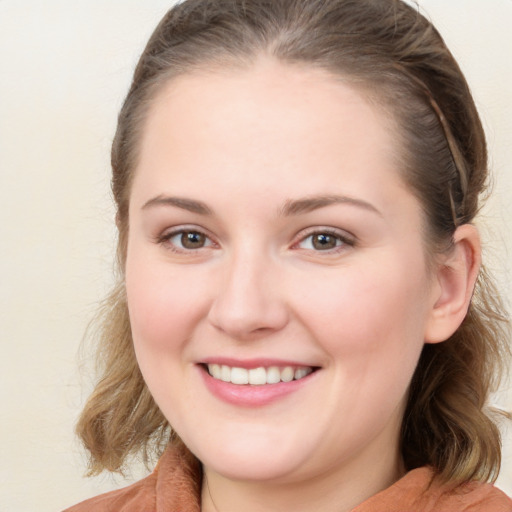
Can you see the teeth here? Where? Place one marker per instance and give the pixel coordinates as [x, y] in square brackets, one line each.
[225, 373]
[273, 375]
[301, 372]
[215, 370]
[257, 376]
[239, 376]
[287, 374]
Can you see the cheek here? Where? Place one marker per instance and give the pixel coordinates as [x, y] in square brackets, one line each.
[369, 315]
[164, 303]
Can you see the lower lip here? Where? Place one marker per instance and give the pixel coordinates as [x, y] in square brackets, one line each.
[250, 395]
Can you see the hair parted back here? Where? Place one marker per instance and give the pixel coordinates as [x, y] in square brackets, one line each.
[388, 50]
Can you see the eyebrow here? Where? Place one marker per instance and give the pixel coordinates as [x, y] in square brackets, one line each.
[308, 204]
[180, 202]
[290, 207]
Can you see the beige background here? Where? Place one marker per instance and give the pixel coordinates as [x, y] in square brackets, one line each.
[64, 68]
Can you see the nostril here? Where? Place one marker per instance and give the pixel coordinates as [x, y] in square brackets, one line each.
[247, 319]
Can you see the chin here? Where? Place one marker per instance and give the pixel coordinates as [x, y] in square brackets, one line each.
[254, 471]
[250, 460]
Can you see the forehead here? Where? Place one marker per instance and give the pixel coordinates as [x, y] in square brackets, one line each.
[287, 123]
[308, 93]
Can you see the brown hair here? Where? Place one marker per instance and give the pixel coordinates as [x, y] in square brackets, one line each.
[390, 51]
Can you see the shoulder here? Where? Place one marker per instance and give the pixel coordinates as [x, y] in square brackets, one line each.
[173, 485]
[472, 497]
[475, 497]
[139, 496]
[419, 490]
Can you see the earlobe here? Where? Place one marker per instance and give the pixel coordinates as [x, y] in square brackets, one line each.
[457, 272]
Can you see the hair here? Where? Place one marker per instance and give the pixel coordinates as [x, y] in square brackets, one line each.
[395, 56]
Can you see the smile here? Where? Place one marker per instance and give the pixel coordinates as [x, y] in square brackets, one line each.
[257, 376]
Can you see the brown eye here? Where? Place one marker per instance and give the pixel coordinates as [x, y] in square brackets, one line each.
[327, 241]
[192, 240]
[324, 241]
[185, 241]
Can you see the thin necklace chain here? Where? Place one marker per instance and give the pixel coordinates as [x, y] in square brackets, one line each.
[210, 494]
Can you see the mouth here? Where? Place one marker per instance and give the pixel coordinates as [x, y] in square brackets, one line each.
[258, 376]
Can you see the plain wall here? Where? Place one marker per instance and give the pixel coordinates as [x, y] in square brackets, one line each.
[64, 69]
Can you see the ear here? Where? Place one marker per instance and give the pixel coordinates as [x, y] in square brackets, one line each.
[456, 274]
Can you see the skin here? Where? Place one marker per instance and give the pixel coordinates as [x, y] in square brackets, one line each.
[244, 143]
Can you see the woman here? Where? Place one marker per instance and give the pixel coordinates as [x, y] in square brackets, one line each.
[301, 294]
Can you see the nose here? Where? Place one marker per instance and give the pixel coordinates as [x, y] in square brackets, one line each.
[249, 302]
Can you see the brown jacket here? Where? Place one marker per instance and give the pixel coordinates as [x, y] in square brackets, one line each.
[174, 486]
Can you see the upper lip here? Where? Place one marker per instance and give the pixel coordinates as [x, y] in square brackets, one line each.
[255, 363]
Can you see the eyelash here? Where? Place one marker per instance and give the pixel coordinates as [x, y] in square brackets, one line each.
[166, 238]
[343, 240]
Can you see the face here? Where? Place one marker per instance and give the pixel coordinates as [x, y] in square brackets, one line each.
[276, 276]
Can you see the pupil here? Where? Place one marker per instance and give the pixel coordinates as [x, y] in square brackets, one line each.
[324, 242]
[192, 240]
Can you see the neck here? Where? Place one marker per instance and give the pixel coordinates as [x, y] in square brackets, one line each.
[334, 491]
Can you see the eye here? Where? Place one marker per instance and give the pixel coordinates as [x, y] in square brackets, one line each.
[324, 240]
[186, 240]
